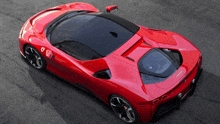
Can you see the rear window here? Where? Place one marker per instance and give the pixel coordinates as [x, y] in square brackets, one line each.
[155, 66]
[98, 33]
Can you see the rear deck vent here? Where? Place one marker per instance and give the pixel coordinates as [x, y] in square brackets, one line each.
[129, 58]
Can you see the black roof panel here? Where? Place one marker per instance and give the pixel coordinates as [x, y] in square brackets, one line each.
[102, 32]
[123, 22]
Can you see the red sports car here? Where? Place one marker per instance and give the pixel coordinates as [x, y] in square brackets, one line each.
[140, 72]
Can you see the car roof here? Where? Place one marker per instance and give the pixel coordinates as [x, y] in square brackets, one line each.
[102, 32]
[123, 22]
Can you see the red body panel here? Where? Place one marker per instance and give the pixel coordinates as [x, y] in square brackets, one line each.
[125, 77]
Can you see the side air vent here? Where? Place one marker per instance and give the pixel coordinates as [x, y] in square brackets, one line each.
[105, 74]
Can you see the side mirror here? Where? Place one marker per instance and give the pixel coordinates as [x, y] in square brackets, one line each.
[110, 8]
[49, 54]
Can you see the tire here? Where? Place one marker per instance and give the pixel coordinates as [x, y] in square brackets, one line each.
[34, 57]
[123, 109]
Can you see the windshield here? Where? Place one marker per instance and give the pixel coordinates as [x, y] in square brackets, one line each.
[98, 33]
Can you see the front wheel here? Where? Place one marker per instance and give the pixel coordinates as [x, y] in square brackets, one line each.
[123, 109]
[34, 57]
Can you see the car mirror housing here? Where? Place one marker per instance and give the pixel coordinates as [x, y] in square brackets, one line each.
[110, 8]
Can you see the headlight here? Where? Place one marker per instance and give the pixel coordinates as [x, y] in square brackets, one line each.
[21, 32]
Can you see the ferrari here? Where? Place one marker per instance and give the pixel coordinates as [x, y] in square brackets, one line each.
[141, 73]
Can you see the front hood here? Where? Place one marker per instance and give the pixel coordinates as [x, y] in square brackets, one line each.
[41, 19]
[39, 23]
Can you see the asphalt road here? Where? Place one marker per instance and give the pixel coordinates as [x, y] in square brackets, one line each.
[31, 96]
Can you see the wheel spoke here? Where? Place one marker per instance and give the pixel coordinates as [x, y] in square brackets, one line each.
[27, 52]
[116, 105]
[128, 114]
[120, 115]
[118, 100]
[113, 105]
[38, 61]
[35, 53]
[31, 50]
[123, 118]
[31, 61]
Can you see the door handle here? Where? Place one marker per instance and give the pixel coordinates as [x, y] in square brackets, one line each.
[49, 54]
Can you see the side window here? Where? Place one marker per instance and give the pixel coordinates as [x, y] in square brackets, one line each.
[77, 50]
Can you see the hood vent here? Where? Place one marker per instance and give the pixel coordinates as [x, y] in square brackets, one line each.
[147, 43]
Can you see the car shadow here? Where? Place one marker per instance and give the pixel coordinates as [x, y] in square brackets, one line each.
[72, 102]
[78, 105]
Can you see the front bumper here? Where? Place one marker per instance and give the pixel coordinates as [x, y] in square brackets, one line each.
[176, 102]
[22, 54]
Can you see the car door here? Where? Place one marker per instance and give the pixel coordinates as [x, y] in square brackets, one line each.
[62, 64]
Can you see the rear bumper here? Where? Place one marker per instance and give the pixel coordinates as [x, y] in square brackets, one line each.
[175, 103]
[193, 85]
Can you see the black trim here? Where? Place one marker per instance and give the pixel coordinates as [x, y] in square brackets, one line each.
[172, 55]
[167, 107]
[175, 103]
[147, 44]
[129, 58]
[153, 74]
[193, 86]
[89, 54]
[123, 22]
[199, 72]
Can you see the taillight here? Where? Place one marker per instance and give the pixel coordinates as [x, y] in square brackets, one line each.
[200, 60]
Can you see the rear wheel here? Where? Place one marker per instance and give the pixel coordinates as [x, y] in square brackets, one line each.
[123, 109]
[34, 57]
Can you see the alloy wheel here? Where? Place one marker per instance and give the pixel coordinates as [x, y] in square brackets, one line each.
[123, 109]
[33, 57]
